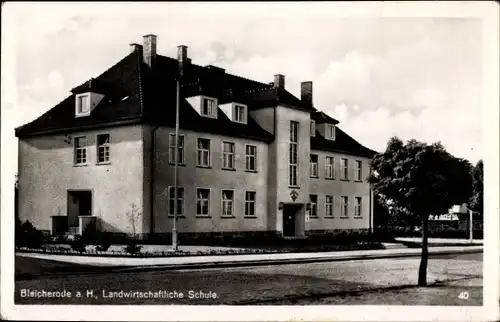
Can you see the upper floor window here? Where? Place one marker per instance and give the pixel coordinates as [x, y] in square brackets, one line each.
[313, 128]
[330, 131]
[83, 104]
[345, 169]
[208, 107]
[313, 199]
[329, 174]
[103, 148]
[80, 152]
[251, 157]
[203, 153]
[313, 158]
[227, 155]
[240, 113]
[359, 173]
[293, 160]
[180, 149]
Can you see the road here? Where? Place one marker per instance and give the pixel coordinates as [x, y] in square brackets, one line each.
[384, 281]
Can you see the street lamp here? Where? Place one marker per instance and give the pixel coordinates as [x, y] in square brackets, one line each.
[176, 166]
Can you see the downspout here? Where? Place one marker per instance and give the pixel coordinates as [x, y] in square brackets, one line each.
[152, 180]
[370, 228]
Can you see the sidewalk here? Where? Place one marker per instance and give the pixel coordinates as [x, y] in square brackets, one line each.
[437, 241]
[245, 260]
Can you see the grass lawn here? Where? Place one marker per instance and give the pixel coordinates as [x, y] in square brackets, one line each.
[27, 268]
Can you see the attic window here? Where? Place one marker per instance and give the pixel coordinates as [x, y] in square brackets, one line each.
[240, 114]
[208, 107]
[330, 131]
[83, 104]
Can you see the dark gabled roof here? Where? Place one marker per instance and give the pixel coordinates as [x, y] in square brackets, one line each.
[134, 93]
[343, 143]
[321, 117]
[121, 80]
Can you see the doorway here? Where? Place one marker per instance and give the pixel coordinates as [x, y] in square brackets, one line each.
[79, 204]
[289, 219]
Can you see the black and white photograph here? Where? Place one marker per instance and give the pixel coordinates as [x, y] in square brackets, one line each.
[308, 159]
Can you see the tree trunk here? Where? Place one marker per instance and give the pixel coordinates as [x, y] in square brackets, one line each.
[422, 272]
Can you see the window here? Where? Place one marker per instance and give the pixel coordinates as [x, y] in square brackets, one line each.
[80, 154]
[203, 153]
[203, 202]
[329, 174]
[251, 158]
[102, 148]
[313, 199]
[227, 203]
[250, 203]
[330, 131]
[358, 170]
[329, 206]
[180, 200]
[345, 169]
[294, 154]
[227, 155]
[83, 104]
[313, 160]
[313, 128]
[180, 148]
[357, 207]
[208, 107]
[343, 205]
[239, 114]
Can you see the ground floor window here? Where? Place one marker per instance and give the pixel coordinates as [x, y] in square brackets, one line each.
[329, 206]
[203, 202]
[314, 205]
[250, 203]
[227, 203]
[180, 200]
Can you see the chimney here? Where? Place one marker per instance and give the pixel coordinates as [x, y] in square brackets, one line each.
[135, 47]
[149, 49]
[182, 58]
[306, 93]
[279, 81]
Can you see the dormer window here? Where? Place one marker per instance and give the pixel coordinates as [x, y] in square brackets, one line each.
[240, 113]
[208, 107]
[313, 128]
[330, 131]
[83, 104]
[86, 102]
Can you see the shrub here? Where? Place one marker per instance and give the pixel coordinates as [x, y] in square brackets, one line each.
[78, 244]
[28, 236]
[103, 241]
[132, 248]
[90, 233]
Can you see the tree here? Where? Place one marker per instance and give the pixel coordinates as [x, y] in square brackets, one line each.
[421, 180]
[476, 200]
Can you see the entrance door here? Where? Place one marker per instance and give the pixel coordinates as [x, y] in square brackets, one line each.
[79, 204]
[289, 212]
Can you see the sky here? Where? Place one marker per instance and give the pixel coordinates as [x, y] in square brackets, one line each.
[415, 78]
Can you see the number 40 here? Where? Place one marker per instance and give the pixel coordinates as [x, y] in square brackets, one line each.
[463, 295]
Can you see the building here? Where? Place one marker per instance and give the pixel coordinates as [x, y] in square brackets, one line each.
[253, 158]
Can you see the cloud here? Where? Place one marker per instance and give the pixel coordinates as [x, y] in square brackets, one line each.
[379, 77]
